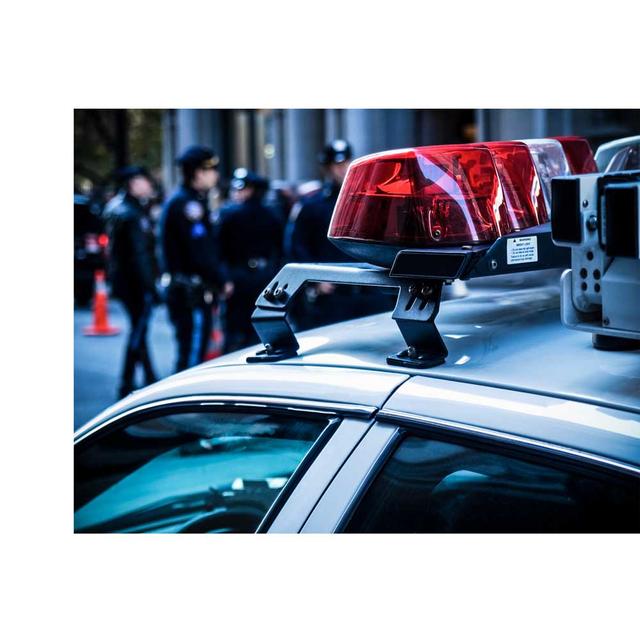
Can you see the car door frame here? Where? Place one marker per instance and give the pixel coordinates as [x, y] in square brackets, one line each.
[333, 511]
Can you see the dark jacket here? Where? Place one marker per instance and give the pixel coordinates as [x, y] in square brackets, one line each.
[308, 235]
[133, 268]
[188, 243]
[248, 232]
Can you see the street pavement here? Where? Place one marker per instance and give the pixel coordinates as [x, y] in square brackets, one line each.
[98, 359]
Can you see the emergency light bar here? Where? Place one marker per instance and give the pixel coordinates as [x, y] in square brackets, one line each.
[442, 196]
[425, 216]
[422, 197]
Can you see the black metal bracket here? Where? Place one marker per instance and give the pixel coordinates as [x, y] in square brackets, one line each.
[419, 274]
[475, 261]
[416, 308]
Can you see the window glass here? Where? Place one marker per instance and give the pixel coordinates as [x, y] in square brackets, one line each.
[192, 472]
[430, 486]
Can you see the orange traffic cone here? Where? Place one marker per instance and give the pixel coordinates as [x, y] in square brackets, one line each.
[217, 340]
[100, 326]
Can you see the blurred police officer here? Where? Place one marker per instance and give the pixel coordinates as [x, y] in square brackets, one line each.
[311, 216]
[190, 255]
[306, 241]
[325, 303]
[133, 268]
[250, 237]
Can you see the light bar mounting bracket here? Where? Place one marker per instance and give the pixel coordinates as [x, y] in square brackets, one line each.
[419, 278]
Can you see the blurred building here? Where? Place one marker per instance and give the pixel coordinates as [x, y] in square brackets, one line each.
[284, 143]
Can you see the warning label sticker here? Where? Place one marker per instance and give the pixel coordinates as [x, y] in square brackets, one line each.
[521, 250]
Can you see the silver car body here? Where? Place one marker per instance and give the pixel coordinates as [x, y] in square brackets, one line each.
[514, 375]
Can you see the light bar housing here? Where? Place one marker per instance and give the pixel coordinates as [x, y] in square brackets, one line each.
[440, 196]
[578, 153]
[427, 196]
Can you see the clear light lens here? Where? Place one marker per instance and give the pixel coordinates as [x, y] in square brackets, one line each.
[550, 161]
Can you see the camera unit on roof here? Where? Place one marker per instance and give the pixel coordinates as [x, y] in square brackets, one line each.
[597, 216]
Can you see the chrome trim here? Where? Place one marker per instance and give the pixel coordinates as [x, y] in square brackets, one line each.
[319, 407]
[390, 415]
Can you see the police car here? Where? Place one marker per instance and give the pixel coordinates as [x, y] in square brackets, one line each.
[498, 397]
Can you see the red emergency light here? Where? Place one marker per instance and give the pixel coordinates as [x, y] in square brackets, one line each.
[521, 184]
[579, 154]
[439, 196]
[425, 217]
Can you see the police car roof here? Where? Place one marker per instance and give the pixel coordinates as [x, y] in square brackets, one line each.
[498, 335]
[504, 335]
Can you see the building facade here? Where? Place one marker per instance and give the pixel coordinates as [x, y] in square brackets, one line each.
[283, 144]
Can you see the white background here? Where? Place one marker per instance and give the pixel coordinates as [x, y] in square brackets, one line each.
[58, 56]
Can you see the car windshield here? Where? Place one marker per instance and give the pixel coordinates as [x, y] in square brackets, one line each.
[167, 473]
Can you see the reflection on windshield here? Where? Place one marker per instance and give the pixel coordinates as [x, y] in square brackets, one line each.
[196, 471]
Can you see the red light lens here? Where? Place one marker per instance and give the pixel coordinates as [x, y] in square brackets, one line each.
[520, 183]
[579, 154]
[422, 197]
[103, 240]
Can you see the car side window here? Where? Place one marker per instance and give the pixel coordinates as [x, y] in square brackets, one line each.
[189, 472]
[431, 486]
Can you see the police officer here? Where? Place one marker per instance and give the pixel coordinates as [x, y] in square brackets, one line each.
[306, 241]
[190, 255]
[309, 221]
[250, 237]
[133, 268]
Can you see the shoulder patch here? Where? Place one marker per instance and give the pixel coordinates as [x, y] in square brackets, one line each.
[145, 225]
[194, 210]
[198, 230]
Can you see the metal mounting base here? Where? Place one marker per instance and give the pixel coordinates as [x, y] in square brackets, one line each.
[266, 355]
[418, 274]
[411, 358]
[416, 308]
[614, 343]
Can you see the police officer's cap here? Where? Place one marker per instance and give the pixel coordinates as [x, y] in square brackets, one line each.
[198, 157]
[244, 178]
[336, 151]
[132, 171]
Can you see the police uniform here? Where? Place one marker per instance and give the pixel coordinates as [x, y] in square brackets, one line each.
[307, 236]
[250, 239]
[190, 257]
[310, 223]
[307, 242]
[133, 271]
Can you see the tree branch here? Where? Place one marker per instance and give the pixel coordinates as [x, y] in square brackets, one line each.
[96, 117]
